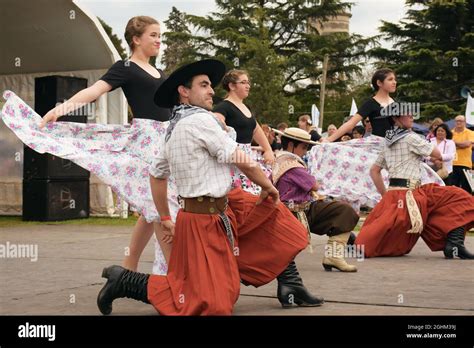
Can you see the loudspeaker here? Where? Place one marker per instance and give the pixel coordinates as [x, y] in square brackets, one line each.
[55, 200]
[50, 90]
[46, 166]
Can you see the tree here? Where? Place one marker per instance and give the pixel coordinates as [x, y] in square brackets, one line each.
[114, 38]
[179, 50]
[274, 41]
[433, 54]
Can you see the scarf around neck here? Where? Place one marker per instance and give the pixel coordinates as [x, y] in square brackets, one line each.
[182, 111]
[395, 134]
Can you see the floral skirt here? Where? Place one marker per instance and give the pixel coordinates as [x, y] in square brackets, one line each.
[239, 179]
[119, 155]
[342, 170]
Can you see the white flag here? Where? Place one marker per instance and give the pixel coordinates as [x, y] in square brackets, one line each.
[354, 111]
[315, 116]
[353, 108]
[470, 110]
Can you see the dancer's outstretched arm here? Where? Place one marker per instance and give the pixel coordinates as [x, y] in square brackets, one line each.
[345, 128]
[78, 100]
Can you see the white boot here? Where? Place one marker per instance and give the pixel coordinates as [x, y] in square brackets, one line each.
[334, 254]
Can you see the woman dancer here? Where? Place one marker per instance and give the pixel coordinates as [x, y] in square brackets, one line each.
[139, 80]
[237, 115]
[384, 82]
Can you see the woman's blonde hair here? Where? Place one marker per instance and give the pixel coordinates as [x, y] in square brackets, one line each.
[435, 123]
[136, 26]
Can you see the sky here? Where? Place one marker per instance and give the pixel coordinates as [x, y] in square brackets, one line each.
[366, 14]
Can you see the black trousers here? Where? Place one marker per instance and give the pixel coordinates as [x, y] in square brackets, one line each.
[457, 178]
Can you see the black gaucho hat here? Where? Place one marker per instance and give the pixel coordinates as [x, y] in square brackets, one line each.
[166, 94]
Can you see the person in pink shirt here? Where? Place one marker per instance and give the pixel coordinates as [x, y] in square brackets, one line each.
[443, 140]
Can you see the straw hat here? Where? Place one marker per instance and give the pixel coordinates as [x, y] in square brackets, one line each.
[296, 134]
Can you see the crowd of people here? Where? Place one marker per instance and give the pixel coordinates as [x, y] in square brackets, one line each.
[243, 218]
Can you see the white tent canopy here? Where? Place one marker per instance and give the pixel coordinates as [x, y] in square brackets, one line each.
[49, 37]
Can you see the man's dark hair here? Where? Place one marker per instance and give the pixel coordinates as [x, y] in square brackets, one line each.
[188, 83]
[285, 141]
[359, 129]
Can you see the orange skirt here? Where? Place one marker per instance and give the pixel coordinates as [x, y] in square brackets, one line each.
[269, 237]
[443, 208]
[203, 276]
[204, 273]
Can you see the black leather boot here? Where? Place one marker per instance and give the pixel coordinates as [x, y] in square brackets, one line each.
[291, 290]
[455, 245]
[352, 238]
[121, 283]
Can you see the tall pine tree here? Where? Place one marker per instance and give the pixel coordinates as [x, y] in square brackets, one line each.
[274, 41]
[177, 38]
[433, 54]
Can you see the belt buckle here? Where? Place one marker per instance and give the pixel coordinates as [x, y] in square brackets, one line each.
[181, 202]
[412, 184]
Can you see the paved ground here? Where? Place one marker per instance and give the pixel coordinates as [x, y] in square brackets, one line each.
[66, 278]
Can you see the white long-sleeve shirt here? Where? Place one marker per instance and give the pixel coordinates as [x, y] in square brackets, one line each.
[448, 152]
[199, 154]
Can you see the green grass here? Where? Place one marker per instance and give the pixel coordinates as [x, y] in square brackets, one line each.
[12, 221]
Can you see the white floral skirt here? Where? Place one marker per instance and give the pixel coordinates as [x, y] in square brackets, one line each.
[118, 154]
[342, 170]
[239, 179]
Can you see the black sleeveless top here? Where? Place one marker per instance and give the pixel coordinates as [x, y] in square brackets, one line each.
[372, 109]
[139, 87]
[243, 125]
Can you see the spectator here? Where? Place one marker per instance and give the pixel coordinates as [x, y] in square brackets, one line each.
[331, 129]
[447, 147]
[270, 134]
[358, 132]
[346, 137]
[368, 127]
[305, 123]
[281, 127]
[435, 123]
[464, 139]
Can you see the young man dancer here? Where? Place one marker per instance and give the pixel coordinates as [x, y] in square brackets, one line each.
[221, 237]
[441, 215]
[296, 187]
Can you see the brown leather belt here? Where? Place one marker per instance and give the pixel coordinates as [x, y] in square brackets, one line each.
[204, 205]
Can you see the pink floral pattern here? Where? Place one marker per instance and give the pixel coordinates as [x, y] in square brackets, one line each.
[342, 170]
[240, 180]
[118, 154]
